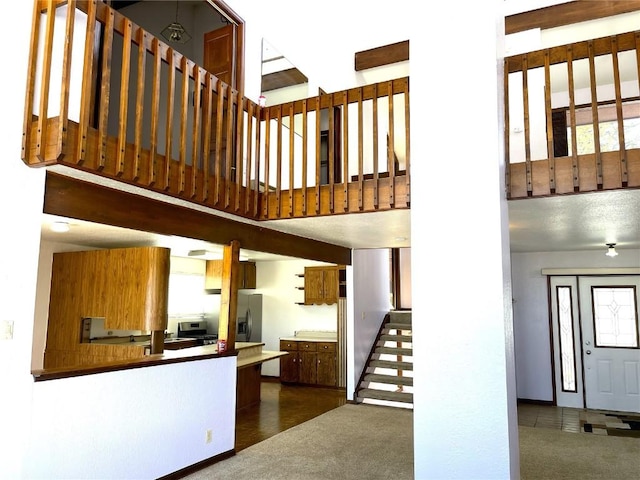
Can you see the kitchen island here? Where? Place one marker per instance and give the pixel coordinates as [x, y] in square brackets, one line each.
[251, 356]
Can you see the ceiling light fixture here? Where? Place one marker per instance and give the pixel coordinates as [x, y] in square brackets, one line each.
[611, 251]
[175, 32]
[59, 227]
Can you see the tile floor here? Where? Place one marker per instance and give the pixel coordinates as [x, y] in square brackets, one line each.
[579, 420]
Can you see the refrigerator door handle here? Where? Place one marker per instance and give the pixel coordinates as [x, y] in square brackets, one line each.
[249, 325]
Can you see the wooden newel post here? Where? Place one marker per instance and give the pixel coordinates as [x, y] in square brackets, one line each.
[229, 295]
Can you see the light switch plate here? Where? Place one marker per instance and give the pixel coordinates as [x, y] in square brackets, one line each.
[6, 330]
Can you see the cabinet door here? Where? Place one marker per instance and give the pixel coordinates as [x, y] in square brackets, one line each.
[331, 286]
[326, 369]
[307, 368]
[289, 368]
[313, 285]
[247, 275]
[213, 275]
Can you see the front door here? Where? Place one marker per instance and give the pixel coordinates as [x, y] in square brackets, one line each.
[610, 350]
[596, 355]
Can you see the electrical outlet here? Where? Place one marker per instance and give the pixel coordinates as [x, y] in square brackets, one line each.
[208, 435]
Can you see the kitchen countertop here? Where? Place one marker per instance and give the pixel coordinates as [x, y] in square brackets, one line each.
[308, 339]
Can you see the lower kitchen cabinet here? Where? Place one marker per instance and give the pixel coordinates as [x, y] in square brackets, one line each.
[309, 363]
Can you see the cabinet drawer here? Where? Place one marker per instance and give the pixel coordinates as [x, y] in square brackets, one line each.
[307, 346]
[326, 346]
[287, 346]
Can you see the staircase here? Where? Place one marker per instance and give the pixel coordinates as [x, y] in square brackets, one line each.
[388, 376]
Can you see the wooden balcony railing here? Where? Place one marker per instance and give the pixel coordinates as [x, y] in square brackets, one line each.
[106, 97]
[573, 117]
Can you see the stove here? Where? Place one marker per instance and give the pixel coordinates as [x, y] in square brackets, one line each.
[197, 330]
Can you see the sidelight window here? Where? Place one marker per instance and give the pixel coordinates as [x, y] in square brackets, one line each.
[565, 327]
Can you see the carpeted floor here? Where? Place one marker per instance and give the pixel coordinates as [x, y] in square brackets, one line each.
[353, 442]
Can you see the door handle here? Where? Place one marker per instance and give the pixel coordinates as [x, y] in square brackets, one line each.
[588, 352]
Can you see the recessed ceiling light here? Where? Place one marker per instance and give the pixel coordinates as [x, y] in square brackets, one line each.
[59, 227]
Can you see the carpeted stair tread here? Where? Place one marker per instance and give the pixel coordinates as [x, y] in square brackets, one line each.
[396, 338]
[390, 379]
[400, 316]
[391, 364]
[394, 351]
[385, 395]
[397, 326]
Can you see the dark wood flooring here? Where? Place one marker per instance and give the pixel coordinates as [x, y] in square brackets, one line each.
[282, 407]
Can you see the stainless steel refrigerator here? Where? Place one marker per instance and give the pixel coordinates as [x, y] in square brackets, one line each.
[249, 321]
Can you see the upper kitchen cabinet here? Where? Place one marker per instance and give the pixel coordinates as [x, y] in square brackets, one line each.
[246, 275]
[324, 284]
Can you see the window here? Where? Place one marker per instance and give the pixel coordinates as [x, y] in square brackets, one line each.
[565, 327]
[614, 316]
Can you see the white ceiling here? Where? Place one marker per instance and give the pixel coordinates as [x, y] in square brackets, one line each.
[560, 223]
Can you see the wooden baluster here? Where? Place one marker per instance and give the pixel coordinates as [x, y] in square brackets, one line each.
[184, 109]
[391, 164]
[239, 149]
[572, 120]
[638, 56]
[345, 151]
[360, 151]
[87, 91]
[229, 161]
[527, 133]
[256, 177]
[507, 130]
[267, 158]
[549, 115]
[195, 135]
[594, 111]
[105, 87]
[155, 116]
[247, 181]
[31, 82]
[171, 81]
[218, 155]
[332, 154]
[407, 137]
[142, 66]
[305, 156]
[63, 124]
[375, 146]
[206, 134]
[278, 159]
[318, 177]
[41, 134]
[124, 98]
[291, 158]
[624, 175]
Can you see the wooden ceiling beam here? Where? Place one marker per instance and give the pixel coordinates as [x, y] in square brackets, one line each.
[73, 198]
[568, 13]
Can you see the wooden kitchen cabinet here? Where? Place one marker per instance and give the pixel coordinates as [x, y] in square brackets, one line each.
[246, 275]
[289, 363]
[324, 284]
[327, 364]
[308, 363]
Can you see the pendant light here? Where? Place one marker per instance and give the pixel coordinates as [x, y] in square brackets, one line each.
[175, 32]
[611, 251]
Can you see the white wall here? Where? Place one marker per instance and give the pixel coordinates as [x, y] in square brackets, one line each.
[132, 424]
[531, 311]
[21, 206]
[371, 302]
[281, 316]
